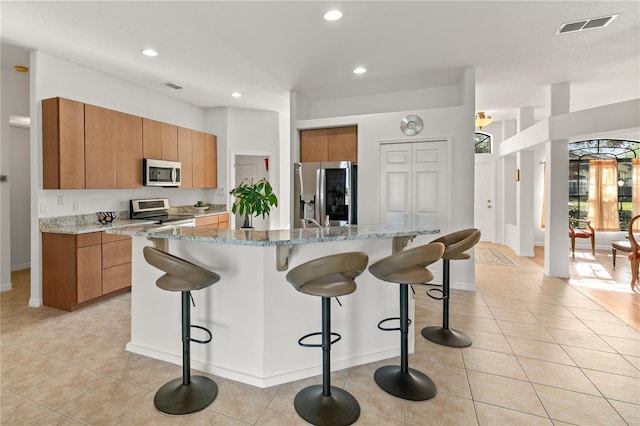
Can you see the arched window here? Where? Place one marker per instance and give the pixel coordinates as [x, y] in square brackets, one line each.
[582, 163]
[483, 143]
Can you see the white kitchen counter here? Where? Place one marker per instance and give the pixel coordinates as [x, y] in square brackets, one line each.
[255, 315]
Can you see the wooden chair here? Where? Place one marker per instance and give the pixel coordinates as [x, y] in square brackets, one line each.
[634, 256]
[619, 245]
[587, 232]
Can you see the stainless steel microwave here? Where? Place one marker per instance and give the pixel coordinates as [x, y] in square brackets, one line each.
[160, 172]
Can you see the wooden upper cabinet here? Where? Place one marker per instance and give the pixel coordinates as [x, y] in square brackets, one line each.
[86, 146]
[210, 161]
[159, 140]
[197, 143]
[128, 134]
[151, 139]
[100, 147]
[343, 144]
[169, 142]
[331, 144]
[185, 156]
[314, 145]
[62, 144]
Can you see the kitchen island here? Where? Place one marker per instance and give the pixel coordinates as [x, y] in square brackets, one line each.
[255, 315]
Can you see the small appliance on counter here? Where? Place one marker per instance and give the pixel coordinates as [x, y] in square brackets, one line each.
[161, 173]
[157, 209]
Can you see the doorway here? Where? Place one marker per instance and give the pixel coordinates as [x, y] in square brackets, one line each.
[484, 200]
[253, 167]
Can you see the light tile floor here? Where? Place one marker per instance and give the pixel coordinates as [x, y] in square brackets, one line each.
[542, 353]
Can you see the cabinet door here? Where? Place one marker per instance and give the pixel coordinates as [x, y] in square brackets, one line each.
[207, 221]
[62, 144]
[223, 221]
[343, 144]
[169, 142]
[128, 136]
[89, 269]
[100, 147]
[210, 161]
[59, 270]
[314, 145]
[151, 139]
[116, 253]
[116, 278]
[185, 156]
[197, 144]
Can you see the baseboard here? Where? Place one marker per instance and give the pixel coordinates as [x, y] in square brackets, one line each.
[20, 267]
[262, 381]
[457, 285]
[6, 287]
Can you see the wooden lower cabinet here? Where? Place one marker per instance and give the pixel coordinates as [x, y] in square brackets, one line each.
[83, 268]
[214, 221]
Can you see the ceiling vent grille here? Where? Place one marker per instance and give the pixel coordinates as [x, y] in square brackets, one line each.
[172, 85]
[588, 24]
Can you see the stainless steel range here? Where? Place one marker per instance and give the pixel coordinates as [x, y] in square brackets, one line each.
[157, 209]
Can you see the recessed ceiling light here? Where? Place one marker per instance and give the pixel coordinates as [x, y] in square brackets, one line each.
[236, 94]
[149, 52]
[333, 15]
[359, 70]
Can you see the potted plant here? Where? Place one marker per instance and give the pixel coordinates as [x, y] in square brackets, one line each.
[253, 199]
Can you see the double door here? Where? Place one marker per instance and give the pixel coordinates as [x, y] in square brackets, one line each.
[413, 184]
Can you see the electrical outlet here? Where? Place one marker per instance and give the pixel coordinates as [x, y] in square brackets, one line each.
[76, 206]
[61, 200]
[44, 208]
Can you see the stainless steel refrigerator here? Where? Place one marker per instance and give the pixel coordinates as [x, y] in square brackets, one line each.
[324, 191]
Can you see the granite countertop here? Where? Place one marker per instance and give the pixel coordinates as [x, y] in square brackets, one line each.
[273, 237]
[87, 223]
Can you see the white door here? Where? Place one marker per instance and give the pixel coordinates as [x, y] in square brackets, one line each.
[484, 194]
[251, 167]
[413, 184]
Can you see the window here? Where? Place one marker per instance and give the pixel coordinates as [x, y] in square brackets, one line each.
[483, 143]
[580, 156]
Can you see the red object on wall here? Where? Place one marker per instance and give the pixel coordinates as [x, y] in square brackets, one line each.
[266, 164]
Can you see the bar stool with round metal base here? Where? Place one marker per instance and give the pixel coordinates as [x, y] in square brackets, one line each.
[456, 244]
[405, 268]
[186, 394]
[327, 277]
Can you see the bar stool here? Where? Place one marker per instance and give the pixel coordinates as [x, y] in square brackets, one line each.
[456, 244]
[187, 394]
[327, 277]
[404, 268]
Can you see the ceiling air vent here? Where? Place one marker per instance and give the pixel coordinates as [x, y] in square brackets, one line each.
[586, 24]
[172, 85]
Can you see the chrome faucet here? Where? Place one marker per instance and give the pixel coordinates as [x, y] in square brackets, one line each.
[310, 220]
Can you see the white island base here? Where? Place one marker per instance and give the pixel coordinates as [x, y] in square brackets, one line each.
[256, 317]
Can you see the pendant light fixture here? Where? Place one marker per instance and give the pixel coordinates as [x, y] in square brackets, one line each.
[483, 120]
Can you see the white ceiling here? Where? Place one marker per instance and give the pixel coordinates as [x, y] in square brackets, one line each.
[266, 49]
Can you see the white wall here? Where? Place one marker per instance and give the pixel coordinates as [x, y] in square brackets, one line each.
[452, 123]
[19, 184]
[433, 97]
